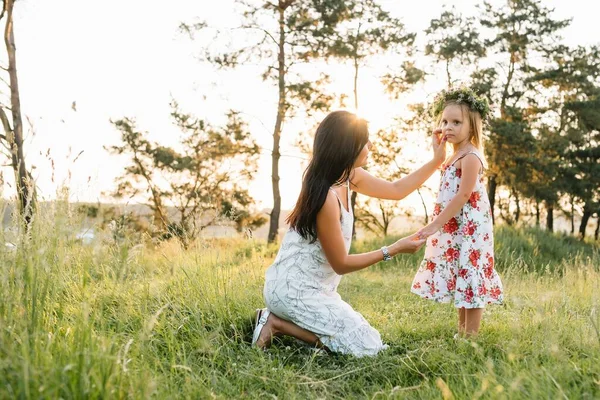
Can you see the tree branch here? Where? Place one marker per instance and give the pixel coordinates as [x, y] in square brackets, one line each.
[3, 9]
[266, 32]
[5, 123]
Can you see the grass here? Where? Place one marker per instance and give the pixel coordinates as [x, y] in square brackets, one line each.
[123, 320]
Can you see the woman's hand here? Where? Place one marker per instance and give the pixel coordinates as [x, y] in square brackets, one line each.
[438, 143]
[409, 244]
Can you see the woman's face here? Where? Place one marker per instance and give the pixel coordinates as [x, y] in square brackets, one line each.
[363, 157]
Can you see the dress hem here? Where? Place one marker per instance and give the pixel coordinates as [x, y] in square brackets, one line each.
[448, 299]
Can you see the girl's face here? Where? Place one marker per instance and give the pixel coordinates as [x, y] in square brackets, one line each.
[454, 126]
[363, 157]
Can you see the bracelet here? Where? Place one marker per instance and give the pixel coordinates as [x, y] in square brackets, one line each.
[386, 254]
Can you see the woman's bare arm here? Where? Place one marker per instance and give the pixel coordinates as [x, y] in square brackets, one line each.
[367, 184]
[329, 233]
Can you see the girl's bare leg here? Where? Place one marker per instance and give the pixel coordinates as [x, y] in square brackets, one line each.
[461, 322]
[473, 320]
[276, 326]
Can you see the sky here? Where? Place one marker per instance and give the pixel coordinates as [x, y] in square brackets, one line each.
[82, 63]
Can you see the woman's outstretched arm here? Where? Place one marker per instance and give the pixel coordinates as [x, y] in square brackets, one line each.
[329, 233]
[369, 185]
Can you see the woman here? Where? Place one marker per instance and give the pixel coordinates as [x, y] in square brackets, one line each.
[301, 286]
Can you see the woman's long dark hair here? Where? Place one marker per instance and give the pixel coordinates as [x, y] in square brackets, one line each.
[339, 140]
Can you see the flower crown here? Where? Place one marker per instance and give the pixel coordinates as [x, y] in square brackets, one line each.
[462, 95]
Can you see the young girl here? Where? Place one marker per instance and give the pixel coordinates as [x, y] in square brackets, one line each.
[459, 258]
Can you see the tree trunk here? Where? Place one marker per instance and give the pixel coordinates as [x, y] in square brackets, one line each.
[356, 84]
[597, 231]
[550, 217]
[448, 74]
[537, 214]
[492, 195]
[572, 215]
[587, 213]
[518, 209]
[356, 66]
[274, 222]
[511, 70]
[354, 220]
[385, 219]
[24, 183]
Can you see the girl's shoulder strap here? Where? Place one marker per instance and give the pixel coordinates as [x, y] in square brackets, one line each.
[476, 153]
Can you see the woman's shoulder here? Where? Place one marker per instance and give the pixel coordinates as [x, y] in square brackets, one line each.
[331, 207]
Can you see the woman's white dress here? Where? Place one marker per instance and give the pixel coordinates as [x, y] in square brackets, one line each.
[301, 287]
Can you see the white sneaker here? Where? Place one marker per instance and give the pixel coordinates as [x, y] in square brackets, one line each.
[259, 323]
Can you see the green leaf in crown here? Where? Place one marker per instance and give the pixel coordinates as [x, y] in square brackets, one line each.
[462, 95]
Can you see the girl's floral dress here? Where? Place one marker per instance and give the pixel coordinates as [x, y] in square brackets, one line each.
[459, 259]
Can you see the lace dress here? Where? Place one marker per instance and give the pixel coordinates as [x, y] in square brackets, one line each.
[301, 287]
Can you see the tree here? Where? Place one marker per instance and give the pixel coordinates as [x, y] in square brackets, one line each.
[520, 29]
[369, 30]
[288, 33]
[202, 181]
[584, 155]
[453, 38]
[548, 175]
[12, 139]
[573, 78]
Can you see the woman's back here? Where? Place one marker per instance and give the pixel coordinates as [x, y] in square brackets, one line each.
[300, 260]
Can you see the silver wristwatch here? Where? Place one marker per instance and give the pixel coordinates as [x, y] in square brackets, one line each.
[386, 254]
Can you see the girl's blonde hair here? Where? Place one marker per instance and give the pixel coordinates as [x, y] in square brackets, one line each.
[475, 125]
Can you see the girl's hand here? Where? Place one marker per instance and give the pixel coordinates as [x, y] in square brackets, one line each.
[427, 230]
[409, 244]
[438, 143]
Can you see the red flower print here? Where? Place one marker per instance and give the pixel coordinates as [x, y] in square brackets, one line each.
[451, 226]
[482, 290]
[495, 292]
[452, 254]
[469, 294]
[417, 285]
[474, 257]
[452, 284]
[469, 228]
[434, 242]
[488, 271]
[475, 196]
[486, 237]
[430, 266]
[458, 172]
[489, 267]
[437, 209]
[463, 272]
